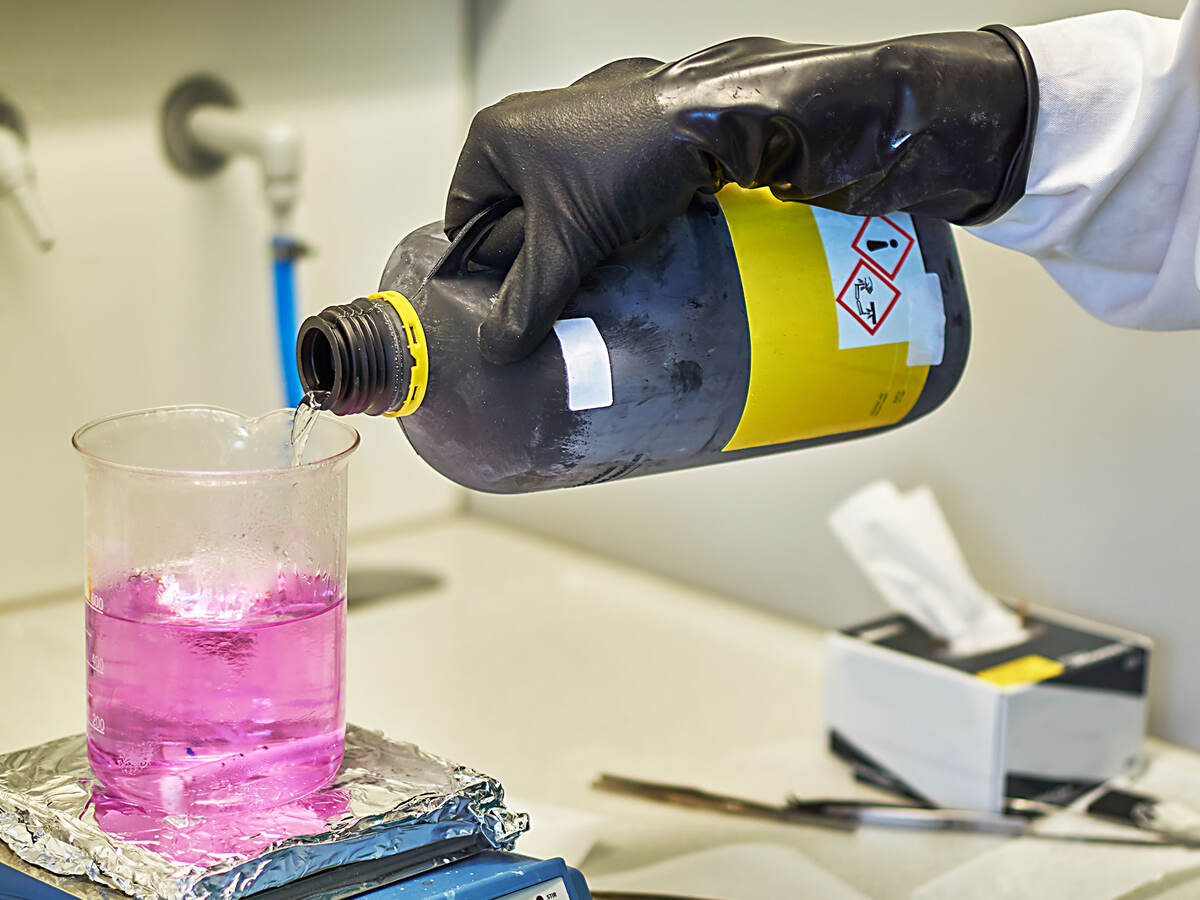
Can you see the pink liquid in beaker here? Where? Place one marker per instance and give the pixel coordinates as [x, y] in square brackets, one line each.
[204, 705]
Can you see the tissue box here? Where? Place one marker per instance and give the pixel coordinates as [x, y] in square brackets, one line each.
[1045, 719]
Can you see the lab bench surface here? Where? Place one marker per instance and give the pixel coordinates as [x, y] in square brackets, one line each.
[544, 666]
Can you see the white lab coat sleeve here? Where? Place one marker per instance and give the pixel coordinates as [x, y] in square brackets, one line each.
[1112, 204]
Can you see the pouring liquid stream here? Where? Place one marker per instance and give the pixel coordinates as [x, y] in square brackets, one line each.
[303, 420]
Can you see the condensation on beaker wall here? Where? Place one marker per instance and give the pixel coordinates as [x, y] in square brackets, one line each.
[216, 584]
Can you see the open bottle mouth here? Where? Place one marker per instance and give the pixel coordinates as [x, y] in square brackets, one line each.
[356, 354]
[317, 358]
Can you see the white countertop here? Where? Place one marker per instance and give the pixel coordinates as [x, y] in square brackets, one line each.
[544, 666]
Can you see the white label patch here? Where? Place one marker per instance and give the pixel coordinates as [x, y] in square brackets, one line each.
[585, 357]
[927, 326]
[882, 292]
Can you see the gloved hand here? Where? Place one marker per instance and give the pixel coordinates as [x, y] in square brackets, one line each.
[939, 125]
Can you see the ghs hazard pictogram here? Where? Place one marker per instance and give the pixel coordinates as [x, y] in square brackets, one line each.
[868, 297]
[883, 244]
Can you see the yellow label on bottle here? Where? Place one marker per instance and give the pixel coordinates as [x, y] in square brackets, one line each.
[801, 384]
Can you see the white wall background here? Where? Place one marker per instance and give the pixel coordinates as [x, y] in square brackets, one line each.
[1065, 460]
[159, 289]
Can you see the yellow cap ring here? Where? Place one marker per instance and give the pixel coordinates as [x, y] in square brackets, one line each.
[418, 374]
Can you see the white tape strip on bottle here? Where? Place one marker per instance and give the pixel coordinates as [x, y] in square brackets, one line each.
[588, 367]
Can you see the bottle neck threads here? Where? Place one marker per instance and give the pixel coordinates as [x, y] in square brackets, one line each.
[357, 353]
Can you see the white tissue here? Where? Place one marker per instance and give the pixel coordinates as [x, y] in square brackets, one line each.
[904, 545]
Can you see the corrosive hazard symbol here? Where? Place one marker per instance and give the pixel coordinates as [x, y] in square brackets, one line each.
[868, 296]
[883, 244]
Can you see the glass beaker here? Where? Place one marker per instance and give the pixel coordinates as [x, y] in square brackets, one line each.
[216, 607]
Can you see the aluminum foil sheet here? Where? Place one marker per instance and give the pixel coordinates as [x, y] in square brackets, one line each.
[388, 797]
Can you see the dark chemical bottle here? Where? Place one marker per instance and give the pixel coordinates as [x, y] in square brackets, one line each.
[745, 326]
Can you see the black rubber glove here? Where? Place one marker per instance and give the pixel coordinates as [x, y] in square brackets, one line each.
[939, 125]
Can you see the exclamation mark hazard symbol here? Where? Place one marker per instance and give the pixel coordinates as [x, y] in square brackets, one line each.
[883, 244]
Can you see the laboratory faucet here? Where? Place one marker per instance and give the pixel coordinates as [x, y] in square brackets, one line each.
[203, 126]
[17, 182]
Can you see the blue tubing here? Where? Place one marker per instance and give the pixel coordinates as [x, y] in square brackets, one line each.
[283, 269]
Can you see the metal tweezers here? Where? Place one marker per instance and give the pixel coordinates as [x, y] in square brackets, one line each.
[849, 815]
